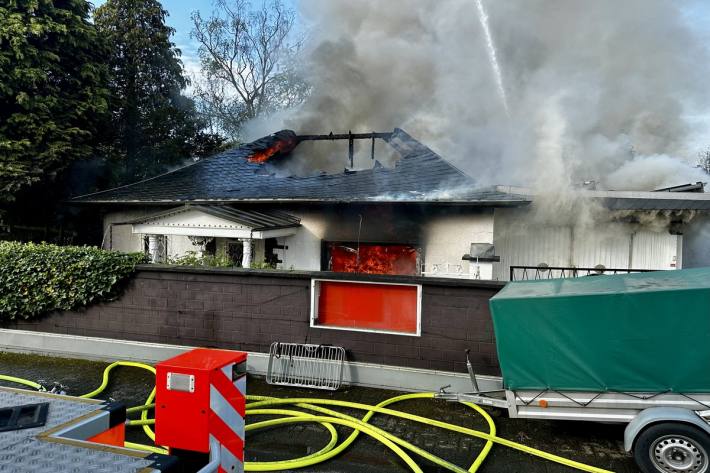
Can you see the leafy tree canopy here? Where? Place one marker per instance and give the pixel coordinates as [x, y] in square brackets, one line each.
[52, 89]
[153, 126]
[40, 278]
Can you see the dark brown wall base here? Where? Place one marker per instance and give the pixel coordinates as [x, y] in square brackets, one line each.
[247, 310]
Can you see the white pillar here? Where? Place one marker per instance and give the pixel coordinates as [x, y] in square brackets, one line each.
[154, 248]
[246, 253]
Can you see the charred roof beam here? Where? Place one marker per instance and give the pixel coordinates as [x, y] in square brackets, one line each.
[351, 137]
[345, 136]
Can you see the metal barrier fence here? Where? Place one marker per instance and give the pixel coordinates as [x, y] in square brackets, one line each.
[525, 273]
[306, 365]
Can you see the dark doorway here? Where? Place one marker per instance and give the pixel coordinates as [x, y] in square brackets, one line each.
[235, 252]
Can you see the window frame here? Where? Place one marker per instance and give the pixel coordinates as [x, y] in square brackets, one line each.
[326, 255]
[315, 295]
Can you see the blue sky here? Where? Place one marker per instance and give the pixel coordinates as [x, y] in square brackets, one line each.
[697, 13]
[180, 12]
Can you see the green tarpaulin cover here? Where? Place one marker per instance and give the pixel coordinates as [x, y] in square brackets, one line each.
[644, 332]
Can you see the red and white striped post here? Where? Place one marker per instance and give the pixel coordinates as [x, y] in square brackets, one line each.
[200, 404]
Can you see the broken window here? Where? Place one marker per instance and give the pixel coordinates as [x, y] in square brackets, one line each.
[371, 258]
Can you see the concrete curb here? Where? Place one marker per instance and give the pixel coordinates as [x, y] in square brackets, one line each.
[106, 349]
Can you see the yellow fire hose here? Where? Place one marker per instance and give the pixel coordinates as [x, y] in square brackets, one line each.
[25, 382]
[379, 435]
[428, 421]
[144, 409]
[263, 405]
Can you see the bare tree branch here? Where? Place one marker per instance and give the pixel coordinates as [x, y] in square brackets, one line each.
[245, 56]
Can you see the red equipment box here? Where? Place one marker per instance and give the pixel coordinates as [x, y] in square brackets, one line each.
[200, 399]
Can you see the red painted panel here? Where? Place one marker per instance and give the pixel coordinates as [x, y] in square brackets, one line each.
[182, 418]
[373, 259]
[115, 436]
[204, 359]
[368, 306]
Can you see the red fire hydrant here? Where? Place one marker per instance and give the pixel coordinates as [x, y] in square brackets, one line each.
[200, 402]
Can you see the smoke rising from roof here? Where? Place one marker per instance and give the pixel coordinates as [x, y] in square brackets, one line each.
[597, 90]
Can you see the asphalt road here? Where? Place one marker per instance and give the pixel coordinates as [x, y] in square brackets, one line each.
[594, 444]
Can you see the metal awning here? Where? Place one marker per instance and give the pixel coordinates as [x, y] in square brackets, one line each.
[217, 221]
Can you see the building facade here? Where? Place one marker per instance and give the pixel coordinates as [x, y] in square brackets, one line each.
[422, 217]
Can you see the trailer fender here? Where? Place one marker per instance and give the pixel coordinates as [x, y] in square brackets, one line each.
[655, 415]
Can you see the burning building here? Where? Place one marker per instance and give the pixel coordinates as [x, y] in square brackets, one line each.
[422, 216]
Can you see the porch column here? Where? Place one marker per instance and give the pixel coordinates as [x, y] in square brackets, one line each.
[246, 253]
[154, 248]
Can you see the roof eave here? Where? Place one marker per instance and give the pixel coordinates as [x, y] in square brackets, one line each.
[480, 203]
[278, 227]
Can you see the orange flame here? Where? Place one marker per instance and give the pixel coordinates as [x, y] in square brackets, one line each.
[281, 146]
[374, 259]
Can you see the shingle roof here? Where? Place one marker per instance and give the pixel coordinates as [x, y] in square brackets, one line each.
[420, 175]
[635, 200]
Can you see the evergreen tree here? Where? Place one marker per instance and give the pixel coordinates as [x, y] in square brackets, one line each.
[52, 89]
[153, 126]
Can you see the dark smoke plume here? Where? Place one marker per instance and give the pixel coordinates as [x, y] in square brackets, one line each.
[597, 90]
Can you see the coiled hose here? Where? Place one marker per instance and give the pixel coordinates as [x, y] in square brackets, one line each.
[144, 421]
[263, 405]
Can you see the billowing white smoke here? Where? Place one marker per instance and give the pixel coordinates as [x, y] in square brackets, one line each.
[596, 89]
[654, 172]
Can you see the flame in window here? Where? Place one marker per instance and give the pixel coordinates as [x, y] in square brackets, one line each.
[373, 259]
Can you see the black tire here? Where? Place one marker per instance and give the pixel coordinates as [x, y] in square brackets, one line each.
[672, 447]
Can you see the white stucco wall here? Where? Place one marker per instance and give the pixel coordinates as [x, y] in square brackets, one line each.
[443, 234]
[304, 248]
[118, 235]
[448, 236]
[179, 245]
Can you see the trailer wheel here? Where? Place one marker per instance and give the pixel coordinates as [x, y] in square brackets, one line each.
[672, 447]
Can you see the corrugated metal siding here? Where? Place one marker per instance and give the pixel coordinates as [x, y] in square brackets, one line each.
[608, 246]
[654, 250]
[529, 245]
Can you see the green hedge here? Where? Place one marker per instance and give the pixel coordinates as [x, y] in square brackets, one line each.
[40, 278]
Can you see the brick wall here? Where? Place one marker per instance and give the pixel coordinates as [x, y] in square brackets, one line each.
[247, 310]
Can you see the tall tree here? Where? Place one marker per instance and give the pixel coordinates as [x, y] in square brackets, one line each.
[246, 62]
[153, 125]
[52, 89]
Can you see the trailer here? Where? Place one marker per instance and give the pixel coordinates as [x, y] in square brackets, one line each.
[631, 349]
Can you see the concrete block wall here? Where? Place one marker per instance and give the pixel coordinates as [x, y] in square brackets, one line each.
[248, 310]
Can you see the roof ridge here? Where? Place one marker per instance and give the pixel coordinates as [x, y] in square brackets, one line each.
[425, 151]
[229, 177]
